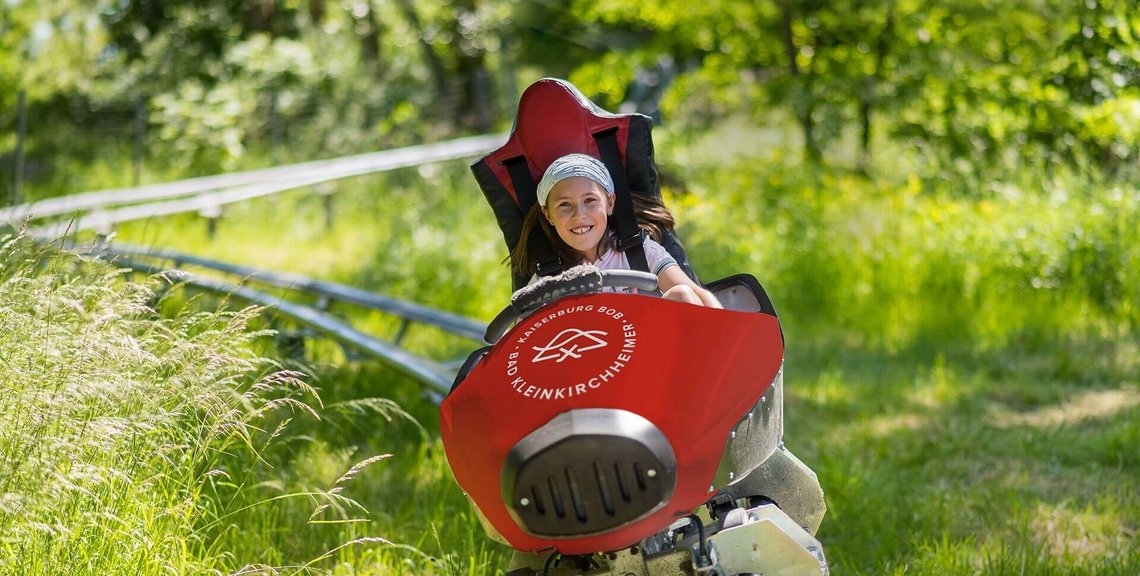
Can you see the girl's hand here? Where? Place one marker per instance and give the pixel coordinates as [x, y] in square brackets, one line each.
[677, 286]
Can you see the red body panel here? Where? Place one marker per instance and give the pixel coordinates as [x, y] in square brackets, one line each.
[693, 372]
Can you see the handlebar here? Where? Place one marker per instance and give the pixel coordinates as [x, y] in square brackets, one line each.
[584, 279]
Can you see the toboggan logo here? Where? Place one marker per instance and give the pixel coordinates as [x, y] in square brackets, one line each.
[568, 344]
[595, 341]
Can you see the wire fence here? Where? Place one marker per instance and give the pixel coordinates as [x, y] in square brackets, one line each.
[65, 146]
[46, 146]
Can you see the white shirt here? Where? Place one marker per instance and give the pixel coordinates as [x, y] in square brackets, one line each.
[655, 256]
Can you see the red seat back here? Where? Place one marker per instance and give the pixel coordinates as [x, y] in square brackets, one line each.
[555, 119]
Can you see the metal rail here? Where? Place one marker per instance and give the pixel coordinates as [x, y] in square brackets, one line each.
[452, 323]
[215, 191]
[73, 203]
[436, 376]
[108, 207]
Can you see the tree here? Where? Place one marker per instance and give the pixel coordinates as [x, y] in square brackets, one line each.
[453, 39]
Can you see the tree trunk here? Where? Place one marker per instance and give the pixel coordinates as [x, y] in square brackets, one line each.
[434, 62]
[803, 109]
[865, 110]
[475, 100]
[258, 16]
[370, 39]
[317, 11]
[869, 96]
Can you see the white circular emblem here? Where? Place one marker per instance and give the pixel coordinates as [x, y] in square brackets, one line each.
[597, 342]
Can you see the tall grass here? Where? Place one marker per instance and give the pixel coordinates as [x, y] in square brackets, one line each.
[116, 425]
[962, 363]
[411, 518]
[894, 264]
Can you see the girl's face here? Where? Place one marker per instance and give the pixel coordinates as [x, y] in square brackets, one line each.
[577, 207]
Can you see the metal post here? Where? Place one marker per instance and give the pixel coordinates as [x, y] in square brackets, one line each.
[510, 96]
[482, 105]
[211, 214]
[274, 128]
[401, 331]
[21, 133]
[325, 190]
[140, 133]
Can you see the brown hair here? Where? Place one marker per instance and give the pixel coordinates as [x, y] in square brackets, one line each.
[652, 217]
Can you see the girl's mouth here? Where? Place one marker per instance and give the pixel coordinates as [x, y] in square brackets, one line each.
[581, 230]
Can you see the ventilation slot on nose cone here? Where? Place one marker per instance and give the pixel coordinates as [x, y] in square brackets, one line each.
[604, 488]
[588, 471]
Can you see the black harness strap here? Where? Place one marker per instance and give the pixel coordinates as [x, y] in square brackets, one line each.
[630, 236]
[546, 262]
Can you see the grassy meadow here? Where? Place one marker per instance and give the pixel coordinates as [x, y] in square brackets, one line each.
[962, 373]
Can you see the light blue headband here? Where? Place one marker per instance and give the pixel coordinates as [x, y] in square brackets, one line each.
[572, 165]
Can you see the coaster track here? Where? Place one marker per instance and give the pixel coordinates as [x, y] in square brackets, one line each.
[436, 376]
[99, 211]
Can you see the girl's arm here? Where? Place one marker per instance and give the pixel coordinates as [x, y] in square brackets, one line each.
[673, 276]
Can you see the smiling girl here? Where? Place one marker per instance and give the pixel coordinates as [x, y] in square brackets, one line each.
[576, 197]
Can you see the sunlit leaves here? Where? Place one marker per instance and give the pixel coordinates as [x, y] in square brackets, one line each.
[606, 79]
[972, 81]
[991, 85]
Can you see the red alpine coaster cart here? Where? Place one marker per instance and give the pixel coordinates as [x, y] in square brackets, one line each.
[616, 433]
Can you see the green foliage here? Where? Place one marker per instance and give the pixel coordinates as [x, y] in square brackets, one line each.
[116, 424]
[980, 89]
[961, 363]
[412, 519]
[201, 128]
[899, 265]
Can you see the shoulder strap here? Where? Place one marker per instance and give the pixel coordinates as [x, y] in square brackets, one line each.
[630, 236]
[546, 261]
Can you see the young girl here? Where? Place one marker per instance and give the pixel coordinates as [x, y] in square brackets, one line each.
[576, 198]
